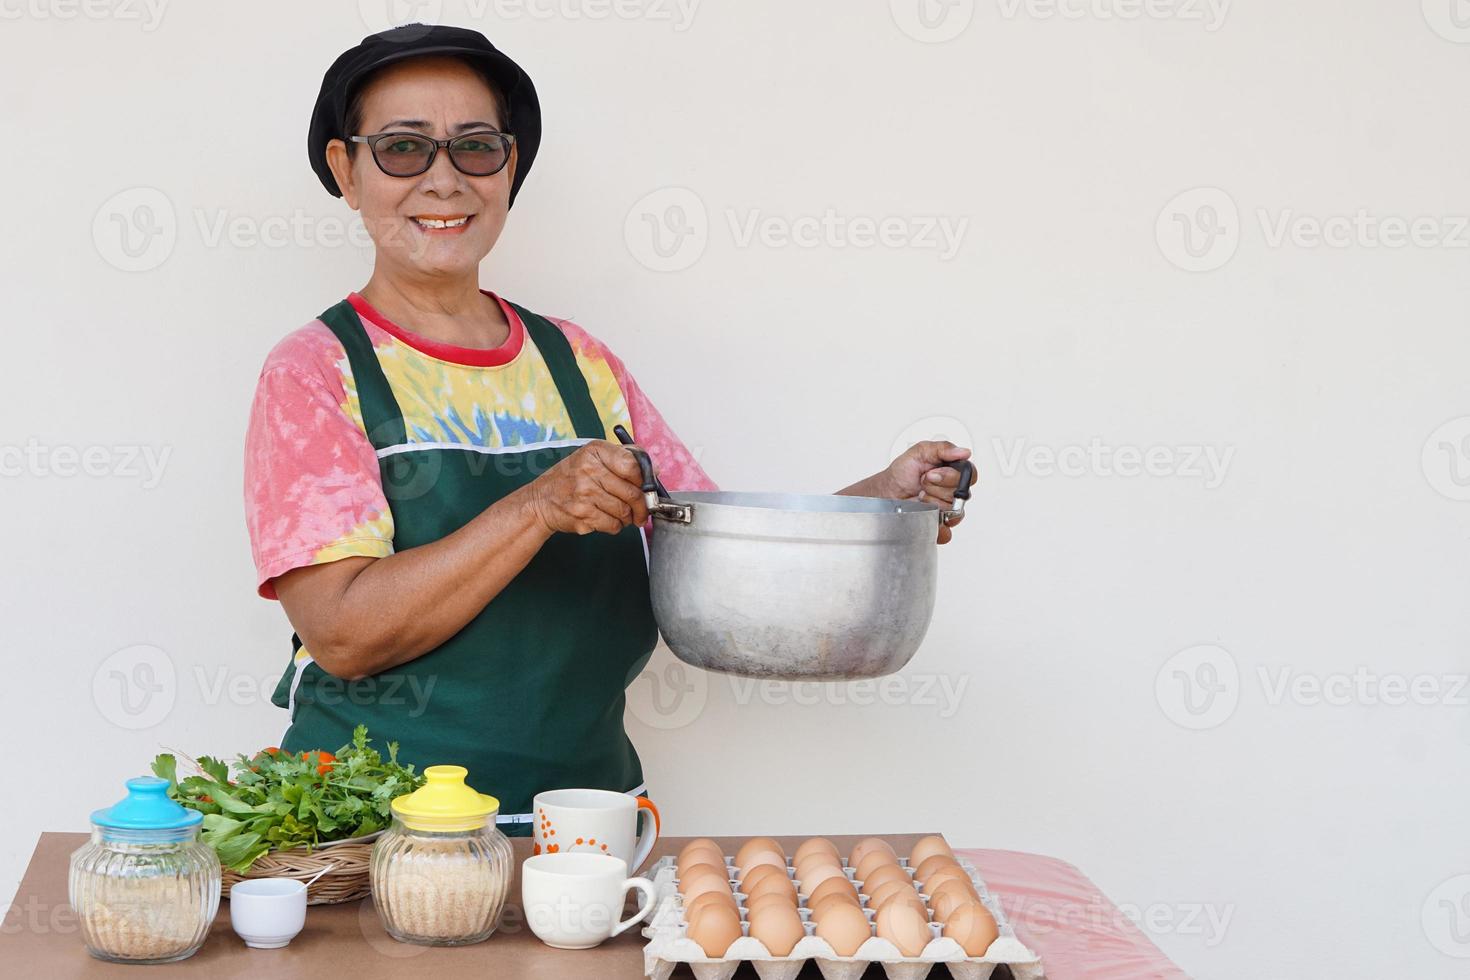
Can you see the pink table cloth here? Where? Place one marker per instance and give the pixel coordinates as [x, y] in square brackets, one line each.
[1061, 915]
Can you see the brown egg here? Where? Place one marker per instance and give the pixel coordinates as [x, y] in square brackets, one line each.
[814, 874]
[888, 872]
[831, 886]
[816, 845]
[816, 871]
[758, 872]
[819, 859]
[844, 927]
[973, 927]
[933, 864]
[937, 878]
[752, 905]
[879, 896]
[773, 885]
[701, 861]
[699, 846]
[700, 882]
[691, 908]
[947, 903]
[755, 844]
[757, 859]
[872, 861]
[715, 928]
[949, 892]
[905, 926]
[777, 926]
[694, 873]
[867, 844]
[839, 898]
[927, 847]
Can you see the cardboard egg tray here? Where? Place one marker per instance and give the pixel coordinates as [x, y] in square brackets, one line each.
[668, 944]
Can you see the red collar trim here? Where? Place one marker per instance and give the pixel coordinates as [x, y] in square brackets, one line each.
[469, 356]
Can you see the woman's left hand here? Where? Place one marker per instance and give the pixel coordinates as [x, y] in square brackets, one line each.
[920, 473]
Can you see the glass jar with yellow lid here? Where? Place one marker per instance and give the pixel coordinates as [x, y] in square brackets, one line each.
[441, 872]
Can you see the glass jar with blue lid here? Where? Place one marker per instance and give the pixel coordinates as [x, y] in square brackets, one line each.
[145, 888]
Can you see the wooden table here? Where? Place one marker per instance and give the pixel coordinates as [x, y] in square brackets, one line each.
[41, 937]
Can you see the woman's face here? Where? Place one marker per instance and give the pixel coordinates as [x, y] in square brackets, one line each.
[441, 98]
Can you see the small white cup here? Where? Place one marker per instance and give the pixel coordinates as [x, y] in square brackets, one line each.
[267, 912]
[572, 901]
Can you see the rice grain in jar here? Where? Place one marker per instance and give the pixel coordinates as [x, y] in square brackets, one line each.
[145, 889]
[441, 873]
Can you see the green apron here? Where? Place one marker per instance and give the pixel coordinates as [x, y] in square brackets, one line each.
[529, 695]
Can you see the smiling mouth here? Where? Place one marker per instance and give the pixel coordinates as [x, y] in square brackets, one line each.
[434, 222]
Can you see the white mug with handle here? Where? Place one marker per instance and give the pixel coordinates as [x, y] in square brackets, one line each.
[595, 821]
[574, 901]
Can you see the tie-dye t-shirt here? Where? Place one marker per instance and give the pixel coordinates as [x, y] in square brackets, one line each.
[313, 493]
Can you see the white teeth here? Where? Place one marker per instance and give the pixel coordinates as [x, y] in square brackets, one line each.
[436, 223]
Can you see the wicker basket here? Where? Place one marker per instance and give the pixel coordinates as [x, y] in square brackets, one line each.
[347, 881]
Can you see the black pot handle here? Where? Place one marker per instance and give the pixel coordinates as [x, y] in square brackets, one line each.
[961, 492]
[650, 483]
[655, 497]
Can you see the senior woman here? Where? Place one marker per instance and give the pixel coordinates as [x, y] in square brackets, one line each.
[431, 490]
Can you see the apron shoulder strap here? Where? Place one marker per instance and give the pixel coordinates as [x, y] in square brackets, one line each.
[571, 384]
[381, 416]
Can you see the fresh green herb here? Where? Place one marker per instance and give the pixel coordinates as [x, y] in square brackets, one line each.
[277, 801]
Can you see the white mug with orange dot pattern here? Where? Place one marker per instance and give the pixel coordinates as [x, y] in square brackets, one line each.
[595, 821]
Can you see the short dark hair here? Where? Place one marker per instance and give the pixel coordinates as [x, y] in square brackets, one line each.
[355, 102]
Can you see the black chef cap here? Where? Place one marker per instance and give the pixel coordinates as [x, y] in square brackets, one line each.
[329, 118]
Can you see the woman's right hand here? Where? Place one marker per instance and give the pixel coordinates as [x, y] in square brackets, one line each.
[596, 488]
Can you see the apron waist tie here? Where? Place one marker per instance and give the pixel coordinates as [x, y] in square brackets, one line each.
[526, 817]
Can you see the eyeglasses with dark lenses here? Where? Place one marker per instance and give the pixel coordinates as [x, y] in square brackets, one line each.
[410, 154]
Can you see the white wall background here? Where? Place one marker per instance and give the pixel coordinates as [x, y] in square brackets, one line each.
[1329, 835]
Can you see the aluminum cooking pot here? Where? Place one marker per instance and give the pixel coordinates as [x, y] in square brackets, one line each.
[791, 586]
